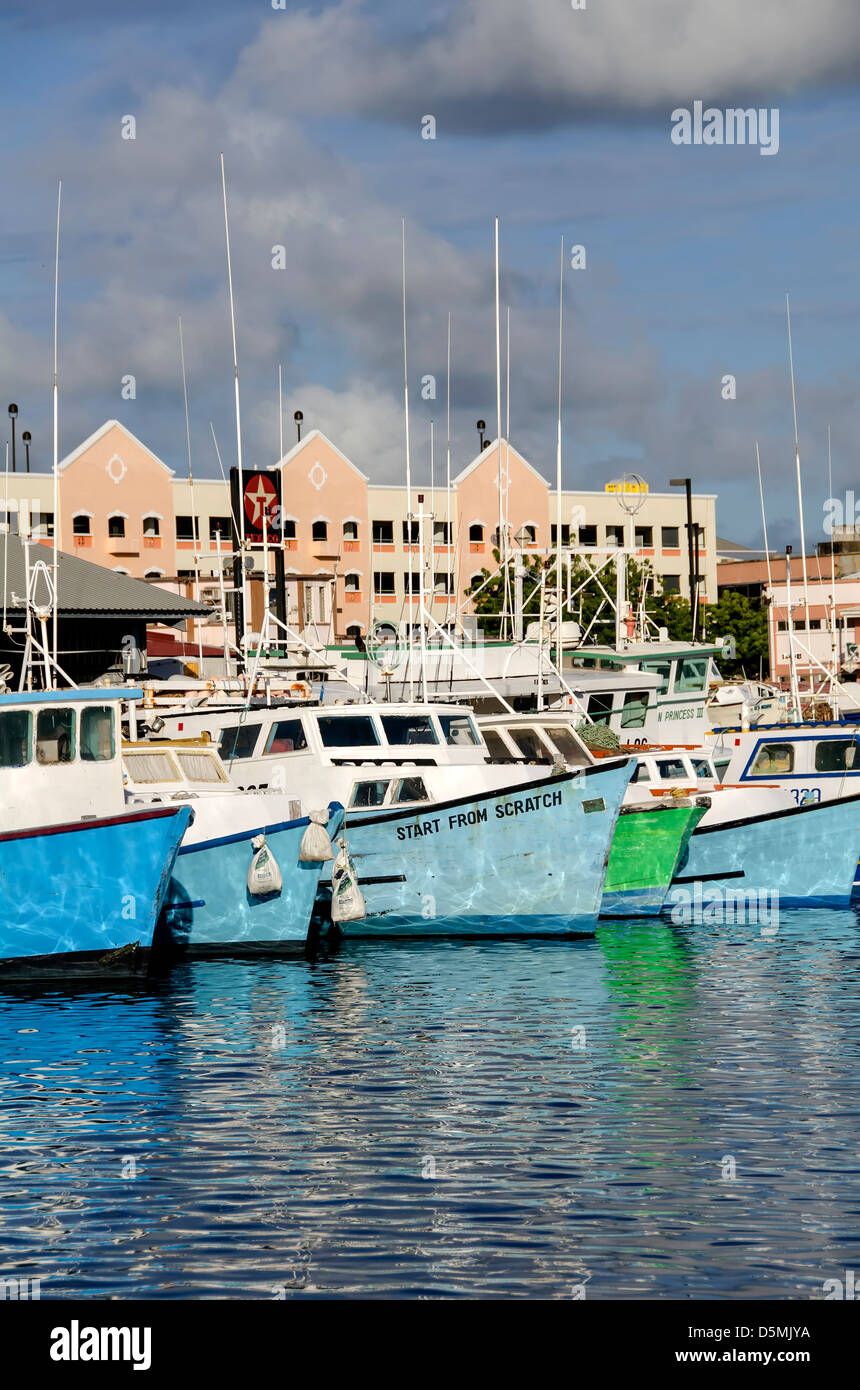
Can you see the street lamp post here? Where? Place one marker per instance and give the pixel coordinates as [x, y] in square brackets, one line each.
[26, 436]
[13, 412]
[686, 483]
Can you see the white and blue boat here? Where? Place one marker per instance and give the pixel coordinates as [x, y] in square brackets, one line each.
[528, 859]
[82, 877]
[210, 908]
[802, 856]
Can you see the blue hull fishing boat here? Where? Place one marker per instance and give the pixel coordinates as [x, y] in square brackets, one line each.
[528, 860]
[242, 882]
[82, 879]
[805, 856]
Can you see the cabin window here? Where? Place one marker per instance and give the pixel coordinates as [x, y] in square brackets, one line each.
[635, 709]
[347, 731]
[368, 794]
[458, 729]
[836, 755]
[531, 745]
[287, 736]
[566, 744]
[692, 674]
[408, 728]
[200, 767]
[55, 736]
[661, 669]
[720, 769]
[409, 789]
[642, 773]
[672, 769]
[97, 737]
[496, 746]
[702, 768]
[16, 731]
[150, 767]
[773, 760]
[600, 707]
[239, 741]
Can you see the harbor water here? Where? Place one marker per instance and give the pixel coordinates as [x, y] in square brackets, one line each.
[661, 1112]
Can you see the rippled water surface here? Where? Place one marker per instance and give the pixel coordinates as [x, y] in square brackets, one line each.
[441, 1119]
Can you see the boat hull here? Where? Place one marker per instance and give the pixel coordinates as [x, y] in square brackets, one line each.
[83, 899]
[528, 860]
[646, 848]
[806, 856]
[209, 909]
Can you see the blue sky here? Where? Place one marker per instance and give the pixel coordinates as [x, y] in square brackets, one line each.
[557, 121]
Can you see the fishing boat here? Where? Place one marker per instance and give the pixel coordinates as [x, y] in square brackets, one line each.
[82, 876]
[217, 902]
[524, 860]
[647, 847]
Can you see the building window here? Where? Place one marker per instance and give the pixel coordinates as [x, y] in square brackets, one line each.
[152, 526]
[289, 529]
[350, 530]
[154, 574]
[615, 535]
[476, 533]
[116, 527]
[669, 537]
[412, 582]
[352, 583]
[443, 583]
[441, 533]
[588, 535]
[319, 531]
[223, 524]
[410, 533]
[530, 534]
[81, 525]
[383, 533]
[383, 583]
[671, 583]
[565, 534]
[187, 528]
[43, 524]
[185, 576]
[645, 536]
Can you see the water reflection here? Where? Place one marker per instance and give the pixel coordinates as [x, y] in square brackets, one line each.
[481, 1118]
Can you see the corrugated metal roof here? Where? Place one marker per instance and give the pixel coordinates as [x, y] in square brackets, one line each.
[88, 588]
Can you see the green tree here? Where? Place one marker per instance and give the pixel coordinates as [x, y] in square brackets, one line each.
[733, 615]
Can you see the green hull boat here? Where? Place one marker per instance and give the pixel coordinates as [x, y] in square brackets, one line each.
[646, 848]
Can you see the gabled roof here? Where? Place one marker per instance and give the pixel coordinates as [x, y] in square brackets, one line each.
[100, 434]
[485, 454]
[91, 589]
[303, 443]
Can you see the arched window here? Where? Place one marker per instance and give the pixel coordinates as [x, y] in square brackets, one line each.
[476, 532]
[152, 525]
[116, 526]
[319, 531]
[350, 530]
[352, 581]
[154, 574]
[82, 523]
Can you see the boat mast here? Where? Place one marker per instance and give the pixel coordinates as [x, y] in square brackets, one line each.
[558, 588]
[799, 487]
[408, 459]
[56, 395]
[199, 625]
[771, 646]
[241, 507]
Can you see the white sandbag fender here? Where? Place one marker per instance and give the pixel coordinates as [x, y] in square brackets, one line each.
[347, 899]
[264, 875]
[316, 845]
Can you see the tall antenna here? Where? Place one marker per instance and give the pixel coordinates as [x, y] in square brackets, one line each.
[558, 587]
[56, 396]
[241, 507]
[799, 487]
